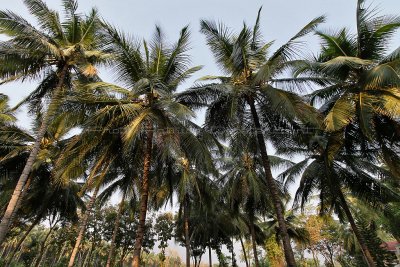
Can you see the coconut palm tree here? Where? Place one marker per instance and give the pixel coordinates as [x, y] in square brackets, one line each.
[333, 177]
[54, 50]
[143, 108]
[6, 115]
[250, 90]
[362, 100]
[44, 196]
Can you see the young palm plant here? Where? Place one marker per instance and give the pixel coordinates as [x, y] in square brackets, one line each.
[53, 50]
[250, 87]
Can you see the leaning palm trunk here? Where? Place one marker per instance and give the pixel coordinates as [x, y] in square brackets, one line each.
[43, 247]
[83, 226]
[186, 229]
[22, 239]
[253, 241]
[110, 260]
[365, 250]
[289, 256]
[12, 205]
[144, 196]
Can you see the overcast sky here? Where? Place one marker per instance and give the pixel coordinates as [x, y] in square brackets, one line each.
[280, 20]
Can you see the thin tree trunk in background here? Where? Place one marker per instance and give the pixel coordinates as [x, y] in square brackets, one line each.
[273, 189]
[60, 254]
[209, 256]
[110, 260]
[186, 229]
[233, 255]
[144, 197]
[253, 241]
[83, 226]
[87, 257]
[123, 254]
[244, 251]
[43, 246]
[91, 250]
[22, 239]
[9, 214]
[367, 254]
[314, 257]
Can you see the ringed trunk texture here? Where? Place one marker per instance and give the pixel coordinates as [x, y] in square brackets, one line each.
[144, 197]
[83, 227]
[289, 256]
[367, 254]
[253, 241]
[12, 205]
[186, 229]
[111, 256]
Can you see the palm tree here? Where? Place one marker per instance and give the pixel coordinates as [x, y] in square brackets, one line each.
[54, 50]
[245, 189]
[250, 85]
[44, 195]
[361, 103]
[144, 108]
[121, 179]
[194, 179]
[6, 115]
[331, 177]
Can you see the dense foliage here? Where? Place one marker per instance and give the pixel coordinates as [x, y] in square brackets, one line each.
[328, 124]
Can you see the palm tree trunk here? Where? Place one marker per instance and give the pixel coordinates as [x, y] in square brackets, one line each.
[9, 214]
[253, 241]
[110, 260]
[61, 253]
[144, 196]
[314, 257]
[209, 256]
[34, 223]
[289, 256]
[244, 251]
[186, 229]
[367, 254]
[43, 246]
[83, 226]
[87, 257]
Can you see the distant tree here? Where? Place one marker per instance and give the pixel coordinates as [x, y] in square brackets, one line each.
[164, 229]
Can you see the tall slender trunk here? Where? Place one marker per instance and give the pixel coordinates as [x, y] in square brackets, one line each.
[209, 256]
[61, 253]
[244, 251]
[83, 226]
[314, 258]
[144, 196]
[9, 214]
[88, 254]
[22, 239]
[186, 229]
[110, 260]
[43, 246]
[273, 189]
[367, 254]
[254, 243]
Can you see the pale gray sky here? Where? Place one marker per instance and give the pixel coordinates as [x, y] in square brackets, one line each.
[280, 20]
